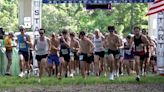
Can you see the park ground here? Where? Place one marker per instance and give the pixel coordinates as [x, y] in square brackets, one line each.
[149, 83]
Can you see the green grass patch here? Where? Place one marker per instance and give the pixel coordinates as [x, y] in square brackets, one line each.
[14, 81]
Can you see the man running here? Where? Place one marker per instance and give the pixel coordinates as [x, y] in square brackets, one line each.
[65, 51]
[24, 43]
[113, 42]
[147, 54]
[140, 41]
[41, 46]
[53, 58]
[74, 46]
[9, 49]
[98, 52]
[86, 49]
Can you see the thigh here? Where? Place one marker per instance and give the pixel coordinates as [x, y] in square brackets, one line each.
[9, 55]
[96, 58]
[61, 59]
[26, 56]
[137, 59]
[111, 57]
[126, 61]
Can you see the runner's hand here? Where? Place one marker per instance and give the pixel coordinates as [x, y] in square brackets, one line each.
[89, 54]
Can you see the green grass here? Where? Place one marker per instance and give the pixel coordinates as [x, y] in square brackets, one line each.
[12, 82]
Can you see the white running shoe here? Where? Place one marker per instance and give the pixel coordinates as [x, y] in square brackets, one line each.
[111, 76]
[71, 75]
[26, 74]
[21, 75]
[39, 80]
[117, 74]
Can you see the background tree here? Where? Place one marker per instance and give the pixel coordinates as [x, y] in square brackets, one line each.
[76, 18]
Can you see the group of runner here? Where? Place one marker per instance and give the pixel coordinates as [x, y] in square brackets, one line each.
[94, 54]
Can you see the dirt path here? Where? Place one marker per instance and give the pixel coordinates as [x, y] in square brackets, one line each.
[93, 88]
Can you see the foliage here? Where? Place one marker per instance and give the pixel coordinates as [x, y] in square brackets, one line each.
[76, 18]
[8, 14]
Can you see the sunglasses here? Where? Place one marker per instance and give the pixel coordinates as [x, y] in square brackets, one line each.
[41, 33]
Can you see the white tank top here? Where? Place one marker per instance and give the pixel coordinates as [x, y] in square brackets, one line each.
[98, 43]
[42, 46]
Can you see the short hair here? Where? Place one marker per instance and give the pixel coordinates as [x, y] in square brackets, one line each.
[64, 31]
[82, 33]
[144, 30]
[72, 34]
[43, 30]
[21, 27]
[137, 28]
[128, 37]
[111, 28]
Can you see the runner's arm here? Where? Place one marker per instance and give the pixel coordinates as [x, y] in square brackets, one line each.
[67, 43]
[145, 40]
[92, 46]
[56, 47]
[78, 46]
[28, 41]
[35, 42]
[49, 44]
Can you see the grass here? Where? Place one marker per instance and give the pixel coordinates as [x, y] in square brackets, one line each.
[14, 81]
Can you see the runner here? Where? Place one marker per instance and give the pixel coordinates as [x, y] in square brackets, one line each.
[128, 53]
[9, 49]
[106, 63]
[65, 51]
[53, 58]
[74, 45]
[140, 41]
[152, 63]
[147, 54]
[90, 66]
[121, 57]
[24, 43]
[113, 43]
[98, 52]
[86, 49]
[41, 46]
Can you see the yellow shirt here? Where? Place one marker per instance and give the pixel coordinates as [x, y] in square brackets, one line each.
[8, 43]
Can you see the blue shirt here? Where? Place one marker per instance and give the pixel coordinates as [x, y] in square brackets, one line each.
[23, 46]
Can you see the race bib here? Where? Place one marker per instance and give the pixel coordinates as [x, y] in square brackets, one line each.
[117, 56]
[22, 45]
[98, 46]
[41, 47]
[64, 51]
[71, 54]
[128, 52]
[139, 48]
[81, 57]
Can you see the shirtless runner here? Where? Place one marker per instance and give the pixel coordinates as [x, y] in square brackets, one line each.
[74, 47]
[86, 47]
[53, 58]
[113, 42]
